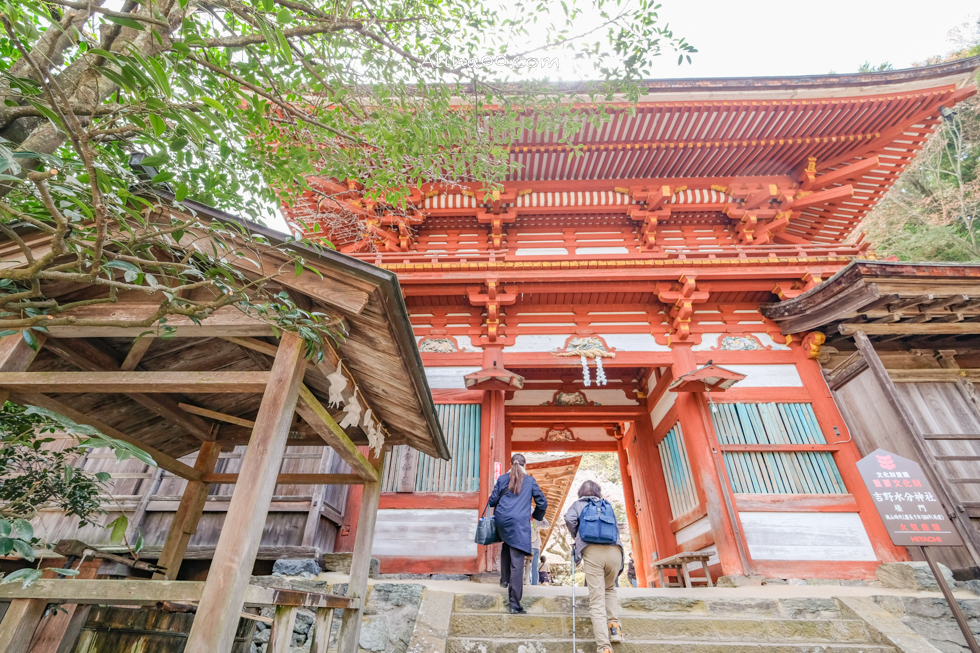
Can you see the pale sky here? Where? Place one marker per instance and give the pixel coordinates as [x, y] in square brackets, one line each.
[782, 37]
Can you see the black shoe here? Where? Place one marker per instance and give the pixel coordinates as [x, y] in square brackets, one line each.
[504, 584]
[519, 610]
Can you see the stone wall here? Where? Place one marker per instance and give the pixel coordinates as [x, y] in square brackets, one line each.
[389, 616]
[932, 619]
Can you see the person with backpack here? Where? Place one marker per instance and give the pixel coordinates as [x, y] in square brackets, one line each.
[592, 523]
[511, 499]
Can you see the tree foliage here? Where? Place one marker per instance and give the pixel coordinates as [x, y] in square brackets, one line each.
[38, 476]
[237, 102]
[933, 210]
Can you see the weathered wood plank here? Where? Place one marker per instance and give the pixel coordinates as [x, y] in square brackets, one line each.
[135, 354]
[933, 376]
[221, 602]
[909, 328]
[87, 357]
[19, 623]
[226, 321]
[282, 629]
[149, 592]
[350, 627]
[292, 479]
[165, 461]
[128, 382]
[321, 630]
[215, 415]
[314, 414]
[15, 356]
[188, 514]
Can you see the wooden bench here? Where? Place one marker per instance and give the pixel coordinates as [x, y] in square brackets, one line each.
[679, 564]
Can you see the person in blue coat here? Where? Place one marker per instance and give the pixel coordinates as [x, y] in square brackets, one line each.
[511, 498]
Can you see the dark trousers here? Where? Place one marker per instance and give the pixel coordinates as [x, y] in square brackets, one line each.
[512, 572]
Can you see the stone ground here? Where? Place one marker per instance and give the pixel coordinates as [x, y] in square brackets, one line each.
[412, 615]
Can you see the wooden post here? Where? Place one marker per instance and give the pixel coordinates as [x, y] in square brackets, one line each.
[698, 432]
[352, 506]
[19, 623]
[828, 416]
[321, 630]
[654, 515]
[188, 514]
[971, 538]
[213, 630]
[636, 543]
[282, 629]
[360, 567]
[16, 356]
[60, 630]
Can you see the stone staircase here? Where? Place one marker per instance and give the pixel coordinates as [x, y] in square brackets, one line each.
[480, 623]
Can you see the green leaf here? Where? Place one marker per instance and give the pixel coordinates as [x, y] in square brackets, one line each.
[30, 339]
[155, 160]
[6, 546]
[24, 549]
[179, 196]
[162, 177]
[27, 576]
[4, 528]
[125, 22]
[139, 542]
[118, 526]
[103, 477]
[159, 126]
[24, 529]
[64, 572]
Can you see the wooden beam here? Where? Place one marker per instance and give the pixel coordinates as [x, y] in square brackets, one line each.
[226, 321]
[150, 592]
[291, 479]
[215, 415]
[85, 356]
[139, 382]
[934, 376]
[407, 469]
[851, 171]
[911, 329]
[350, 626]
[136, 352]
[165, 461]
[217, 617]
[19, 623]
[326, 368]
[16, 356]
[282, 629]
[313, 412]
[188, 515]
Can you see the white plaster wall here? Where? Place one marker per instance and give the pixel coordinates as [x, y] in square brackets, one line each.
[541, 251]
[425, 533]
[767, 340]
[448, 378]
[806, 536]
[537, 343]
[602, 250]
[662, 407]
[691, 531]
[633, 342]
[767, 376]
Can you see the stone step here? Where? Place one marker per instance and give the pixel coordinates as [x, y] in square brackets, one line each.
[555, 645]
[796, 608]
[665, 628]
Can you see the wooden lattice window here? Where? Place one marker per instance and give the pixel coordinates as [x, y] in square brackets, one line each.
[775, 449]
[461, 426]
[677, 472]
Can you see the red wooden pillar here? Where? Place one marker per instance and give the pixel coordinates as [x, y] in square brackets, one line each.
[497, 454]
[654, 514]
[344, 543]
[828, 416]
[699, 437]
[636, 538]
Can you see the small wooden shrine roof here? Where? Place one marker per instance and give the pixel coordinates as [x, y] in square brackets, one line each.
[378, 351]
[886, 299]
[555, 479]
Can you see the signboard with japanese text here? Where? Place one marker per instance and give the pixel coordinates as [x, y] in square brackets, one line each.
[906, 502]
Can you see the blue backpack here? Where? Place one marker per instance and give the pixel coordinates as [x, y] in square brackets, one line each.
[597, 522]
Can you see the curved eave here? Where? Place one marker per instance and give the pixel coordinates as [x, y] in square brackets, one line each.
[856, 287]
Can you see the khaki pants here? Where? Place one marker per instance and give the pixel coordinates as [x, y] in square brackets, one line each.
[601, 564]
